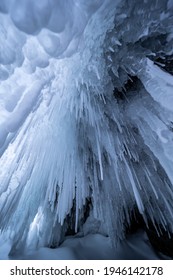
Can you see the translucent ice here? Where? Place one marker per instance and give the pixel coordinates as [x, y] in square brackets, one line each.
[85, 117]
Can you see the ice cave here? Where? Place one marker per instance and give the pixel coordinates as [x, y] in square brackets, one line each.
[86, 129]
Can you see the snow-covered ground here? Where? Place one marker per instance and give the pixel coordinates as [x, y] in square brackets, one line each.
[91, 247]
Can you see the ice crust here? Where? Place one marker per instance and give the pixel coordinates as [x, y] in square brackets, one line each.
[65, 137]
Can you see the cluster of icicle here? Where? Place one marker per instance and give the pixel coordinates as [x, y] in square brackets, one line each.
[65, 138]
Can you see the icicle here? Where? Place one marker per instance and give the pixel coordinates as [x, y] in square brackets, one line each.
[135, 190]
[100, 160]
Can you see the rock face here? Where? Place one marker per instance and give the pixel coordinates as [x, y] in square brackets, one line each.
[86, 119]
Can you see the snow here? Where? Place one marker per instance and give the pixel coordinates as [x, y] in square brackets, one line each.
[80, 138]
[93, 247]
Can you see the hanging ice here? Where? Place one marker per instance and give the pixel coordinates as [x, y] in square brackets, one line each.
[74, 128]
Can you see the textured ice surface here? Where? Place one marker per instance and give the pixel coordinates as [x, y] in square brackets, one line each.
[72, 130]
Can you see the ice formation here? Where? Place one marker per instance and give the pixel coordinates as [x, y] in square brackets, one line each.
[86, 116]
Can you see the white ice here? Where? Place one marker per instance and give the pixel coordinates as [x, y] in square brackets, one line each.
[65, 137]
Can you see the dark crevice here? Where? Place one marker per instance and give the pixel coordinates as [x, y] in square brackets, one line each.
[162, 243]
[84, 214]
[131, 85]
[166, 63]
